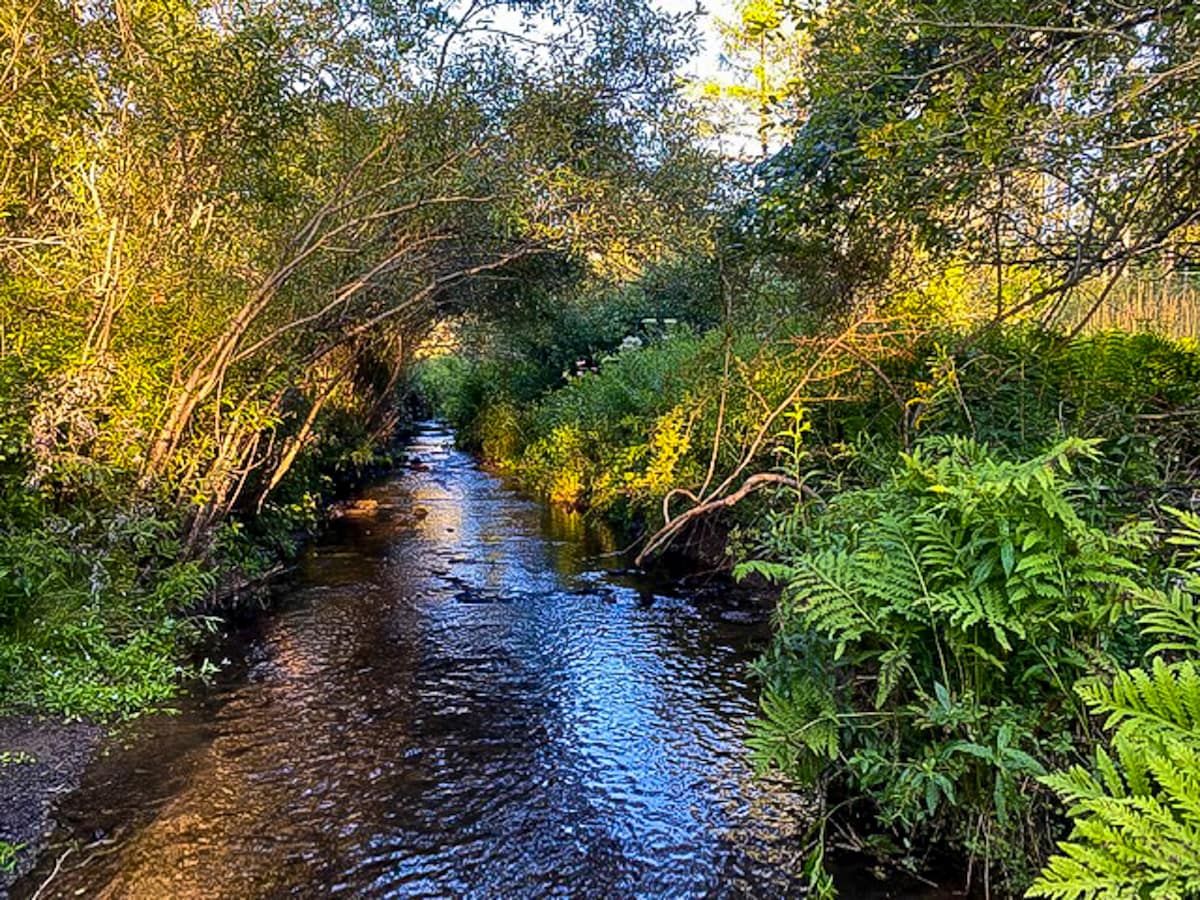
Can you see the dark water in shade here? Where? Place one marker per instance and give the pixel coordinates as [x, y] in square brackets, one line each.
[460, 697]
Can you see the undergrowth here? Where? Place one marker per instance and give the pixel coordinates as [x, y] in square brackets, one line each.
[929, 634]
[963, 526]
[1135, 806]
[101, 599]
[91, 611]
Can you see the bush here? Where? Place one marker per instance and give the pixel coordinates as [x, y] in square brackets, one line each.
[497, 431]
[1136, 812]
[559, 465]
[1024, 387]
[929, 631]
[626, 433]
[90, 608]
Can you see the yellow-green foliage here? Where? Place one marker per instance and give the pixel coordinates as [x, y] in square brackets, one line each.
[498, 432]
[559, 466]
[956, 296]
[665, 453]
[619, 439]
[650, 415]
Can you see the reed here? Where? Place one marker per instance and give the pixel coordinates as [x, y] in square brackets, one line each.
[1168, 305]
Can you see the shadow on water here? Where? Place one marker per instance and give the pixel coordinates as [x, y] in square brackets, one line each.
[463, 695]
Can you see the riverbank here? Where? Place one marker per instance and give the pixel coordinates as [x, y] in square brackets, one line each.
[45, 751]
[41, 761]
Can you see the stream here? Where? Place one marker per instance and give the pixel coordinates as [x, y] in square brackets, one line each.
[463, 693]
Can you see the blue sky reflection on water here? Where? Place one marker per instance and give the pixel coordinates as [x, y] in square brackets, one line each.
[644, 752]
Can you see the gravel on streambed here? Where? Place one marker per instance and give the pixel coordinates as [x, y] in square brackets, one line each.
[41, 759]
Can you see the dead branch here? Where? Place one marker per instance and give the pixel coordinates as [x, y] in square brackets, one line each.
[719, 496]
[758, 480]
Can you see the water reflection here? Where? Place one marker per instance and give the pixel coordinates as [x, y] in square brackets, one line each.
[459, 700]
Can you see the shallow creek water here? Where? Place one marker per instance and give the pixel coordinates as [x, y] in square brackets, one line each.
[462, 694]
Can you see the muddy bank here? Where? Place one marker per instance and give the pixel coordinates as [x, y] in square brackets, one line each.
[41, 760]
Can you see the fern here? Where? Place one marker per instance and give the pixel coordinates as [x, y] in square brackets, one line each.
[1173, 618]
[1163, 702]
[1137, 823]
[1137, 817]
[945, 602]
[799, 730]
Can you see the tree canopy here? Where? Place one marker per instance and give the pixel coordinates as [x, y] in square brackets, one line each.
[1056, 138]
[214, 215]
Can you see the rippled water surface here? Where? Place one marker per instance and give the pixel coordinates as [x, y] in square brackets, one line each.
[461, 696]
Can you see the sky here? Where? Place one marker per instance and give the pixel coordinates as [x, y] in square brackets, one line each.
[736, 135]
[734, 132]
[706, 64]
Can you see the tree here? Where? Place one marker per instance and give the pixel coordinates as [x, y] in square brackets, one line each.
[763, 55]
[1040, 138]
[217, 220]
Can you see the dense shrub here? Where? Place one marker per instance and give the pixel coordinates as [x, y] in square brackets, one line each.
[1136, 808]
[929, 632]
[1020, 389]
[90, 612]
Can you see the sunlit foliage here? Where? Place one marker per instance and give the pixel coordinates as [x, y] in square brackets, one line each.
[225, 226]
[929, 631]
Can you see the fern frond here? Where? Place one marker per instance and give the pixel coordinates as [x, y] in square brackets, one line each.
[778, 573]
[829, 595]
[1163, 701]
[799, 730]
[1137, 839]
[1173, 614]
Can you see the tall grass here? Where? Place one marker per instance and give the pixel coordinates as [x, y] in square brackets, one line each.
[1163, 304]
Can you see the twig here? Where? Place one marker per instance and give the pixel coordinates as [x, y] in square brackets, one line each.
[57, 868]
[716, 498]
[751, 484]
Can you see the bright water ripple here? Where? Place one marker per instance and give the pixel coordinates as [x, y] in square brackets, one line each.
[460, 697]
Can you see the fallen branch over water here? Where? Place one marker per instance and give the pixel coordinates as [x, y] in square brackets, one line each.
[822, 369]
[667, 533]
